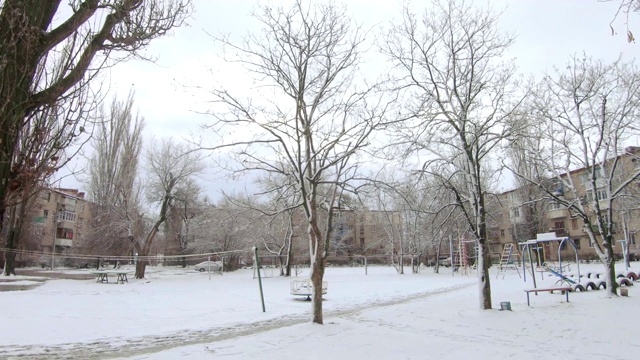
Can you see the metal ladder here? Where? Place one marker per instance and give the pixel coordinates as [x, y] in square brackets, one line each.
[506, 262]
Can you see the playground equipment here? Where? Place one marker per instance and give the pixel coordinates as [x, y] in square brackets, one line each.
[305, 288]
[593, 283]
[459, 255]
[575, 285]
[507, 260]
[542, 238]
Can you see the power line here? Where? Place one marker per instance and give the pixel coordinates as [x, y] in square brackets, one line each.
[120, 257]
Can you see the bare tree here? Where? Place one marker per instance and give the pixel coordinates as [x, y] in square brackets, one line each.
[236, 228]
[45, 142]
[46, 64]
[625, 9]
[588, 114]
[277, 238]
[531, 202]
[388, 205]
[279, 219]
[310, 121]
[169, 165]
[113, 177]
[458, 90]
[415, 214]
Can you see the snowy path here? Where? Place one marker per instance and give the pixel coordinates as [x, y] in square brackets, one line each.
[138, 346]
[448, 327]
[182, 314]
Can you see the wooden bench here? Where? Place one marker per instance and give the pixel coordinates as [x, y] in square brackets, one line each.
[103, 276]
[563, 289]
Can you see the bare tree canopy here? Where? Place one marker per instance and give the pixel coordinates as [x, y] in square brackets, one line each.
[625, 9]
[169, 166]
[113, 176]
[311, 119]
[448, 63]
[586, 116]
[49, 54]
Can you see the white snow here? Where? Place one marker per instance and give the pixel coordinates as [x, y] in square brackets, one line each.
[179, 313]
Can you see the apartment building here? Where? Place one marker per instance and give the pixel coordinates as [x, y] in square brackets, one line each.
[366, 231]
[518, 215]
[61, 219]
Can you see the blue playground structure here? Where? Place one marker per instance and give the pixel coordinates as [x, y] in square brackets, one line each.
[562, 277]
[535, 244]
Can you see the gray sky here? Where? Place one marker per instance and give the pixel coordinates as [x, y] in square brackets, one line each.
[547, 31]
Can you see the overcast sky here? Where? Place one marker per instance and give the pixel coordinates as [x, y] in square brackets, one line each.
[547, 31]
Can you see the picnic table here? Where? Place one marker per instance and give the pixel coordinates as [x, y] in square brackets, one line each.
[103, 276]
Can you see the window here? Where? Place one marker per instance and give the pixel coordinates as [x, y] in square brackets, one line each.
[554, 205]
[632, 238]
[591, 243]
[46, 214]
[361, 242]
[502, 233]
[574, 224]
[584, 178]
[62, 233]
[577, 242]
[558, 225]
[67, 216]
[516, 212]
[601, 194]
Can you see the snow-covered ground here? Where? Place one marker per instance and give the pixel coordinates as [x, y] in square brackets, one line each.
[179, 313]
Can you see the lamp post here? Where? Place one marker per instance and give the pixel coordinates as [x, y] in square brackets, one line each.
[53, 246]
[56, 222]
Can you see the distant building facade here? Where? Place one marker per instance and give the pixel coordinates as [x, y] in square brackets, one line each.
[516, 217]
[61, 219]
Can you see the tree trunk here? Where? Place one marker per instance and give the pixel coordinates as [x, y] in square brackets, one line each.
[21, 26]
[610, 267]
[143, 252]
[10, 256]
[317, 274]
[318, 255]
[15, 225]
[484, 264]
[287, 271]
[141, 266]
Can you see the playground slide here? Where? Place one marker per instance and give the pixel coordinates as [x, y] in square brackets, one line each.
[570, 281]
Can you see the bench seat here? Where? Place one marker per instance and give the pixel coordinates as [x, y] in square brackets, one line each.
[563, 289]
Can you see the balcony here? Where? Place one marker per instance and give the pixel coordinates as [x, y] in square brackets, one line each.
[596, 230]
[557, 213]
[66, 219]
[64, 242]
[559, 232]
[67, 204]
[39, 219]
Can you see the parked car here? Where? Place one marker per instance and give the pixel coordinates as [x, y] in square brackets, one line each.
[444, 261]
[206, 265]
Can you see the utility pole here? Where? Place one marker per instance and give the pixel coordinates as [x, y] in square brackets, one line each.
[56, 222]
[55, 230]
